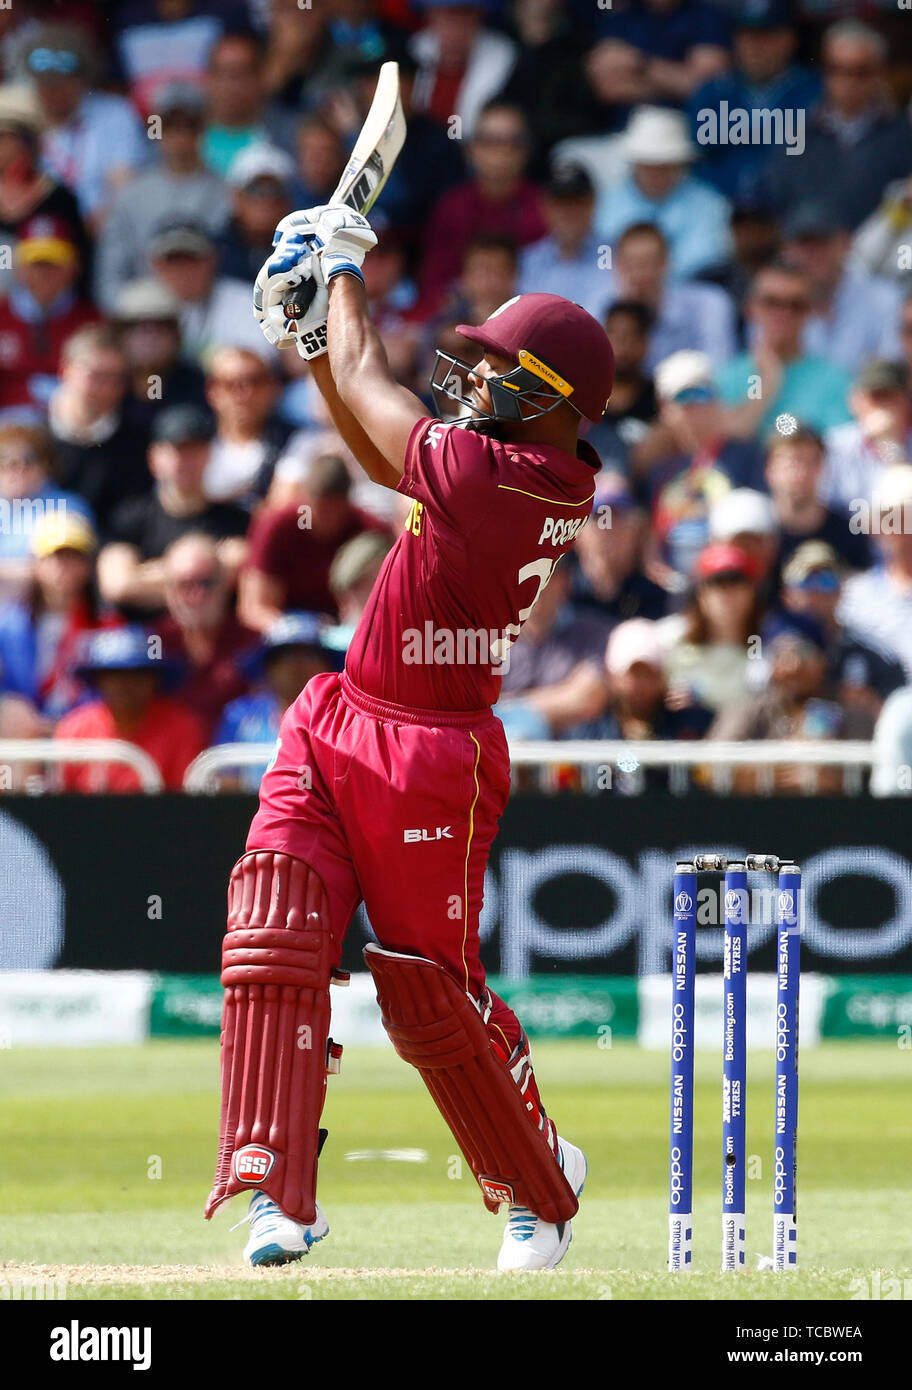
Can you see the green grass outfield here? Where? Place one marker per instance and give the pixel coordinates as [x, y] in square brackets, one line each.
[85, 1132]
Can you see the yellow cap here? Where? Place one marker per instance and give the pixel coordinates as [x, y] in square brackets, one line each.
[63, 530]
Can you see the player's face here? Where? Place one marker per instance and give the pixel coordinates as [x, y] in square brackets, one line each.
[492, 364]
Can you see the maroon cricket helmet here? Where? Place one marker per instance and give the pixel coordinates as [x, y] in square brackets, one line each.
[555, 340]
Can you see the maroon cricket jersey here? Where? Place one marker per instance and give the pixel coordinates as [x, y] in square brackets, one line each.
[488, 522]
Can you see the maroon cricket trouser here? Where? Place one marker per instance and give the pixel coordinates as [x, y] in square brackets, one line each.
[398, 807]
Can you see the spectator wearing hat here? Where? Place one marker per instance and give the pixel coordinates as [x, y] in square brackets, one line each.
[879, 434]
[92, 140]
[696, 463]
[131, 574]
[795, 707]
[462, 64]
[177, 186]
[763, 77]
[41, 634]
[292, 548]
[632, 406]
[42, 310]
[747, 518]
[854, 315]
[126, 678]
[639, 706]
[554, 679]
[202, 639]
[776, 379]
[689, 315]
[567, 261]
[794, 467]
[295, 649]
[352, 576]
[498, 201]
[28, 491]
[858, 673]
[708, 660]
[148, 316]
[878, 602]
[241, 390]
[260, 179]
[27, 189]
[100, 453]
[609, 579]
[660, 187]
[216, 310]
[856, 141]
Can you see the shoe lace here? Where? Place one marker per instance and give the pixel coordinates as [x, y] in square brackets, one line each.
[255, 1209]
[521, 1223]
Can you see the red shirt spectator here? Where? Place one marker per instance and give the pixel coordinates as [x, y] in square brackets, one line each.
[291, 548]
[170, 734]
[125, 668]
[41, 311]
[498, 202]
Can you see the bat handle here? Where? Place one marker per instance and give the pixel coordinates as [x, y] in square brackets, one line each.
[300, 300]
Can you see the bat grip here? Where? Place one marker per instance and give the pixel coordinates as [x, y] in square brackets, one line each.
[300, 300]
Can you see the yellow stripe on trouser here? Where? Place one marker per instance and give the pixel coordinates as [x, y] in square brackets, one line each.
[465, 900]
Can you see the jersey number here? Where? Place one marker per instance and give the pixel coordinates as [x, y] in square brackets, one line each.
[541, 570]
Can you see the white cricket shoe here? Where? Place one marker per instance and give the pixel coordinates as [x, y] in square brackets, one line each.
[530, 1243]
[274, 1238]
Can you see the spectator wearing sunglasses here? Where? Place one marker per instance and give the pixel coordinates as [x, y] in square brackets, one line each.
[858, 673]
[93, 140]
[776, 379]
[697, 463]
[497, 201]
[856, 140]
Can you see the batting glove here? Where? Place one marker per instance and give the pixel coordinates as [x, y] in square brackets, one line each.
[343, 239]
[288, 268]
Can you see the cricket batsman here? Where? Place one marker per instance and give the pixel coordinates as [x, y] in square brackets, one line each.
[389, 779]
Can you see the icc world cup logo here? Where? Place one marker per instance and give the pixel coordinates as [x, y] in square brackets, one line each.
[683, 904]
[733, 905]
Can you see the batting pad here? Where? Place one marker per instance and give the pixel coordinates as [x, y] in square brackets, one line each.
[276, 964]
[434, 1025]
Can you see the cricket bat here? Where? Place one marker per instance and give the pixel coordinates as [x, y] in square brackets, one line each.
[376, 151]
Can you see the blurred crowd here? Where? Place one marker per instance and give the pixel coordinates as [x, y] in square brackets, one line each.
[185, 540]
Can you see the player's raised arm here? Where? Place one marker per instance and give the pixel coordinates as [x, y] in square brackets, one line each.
[315, 270]
[385, 410]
